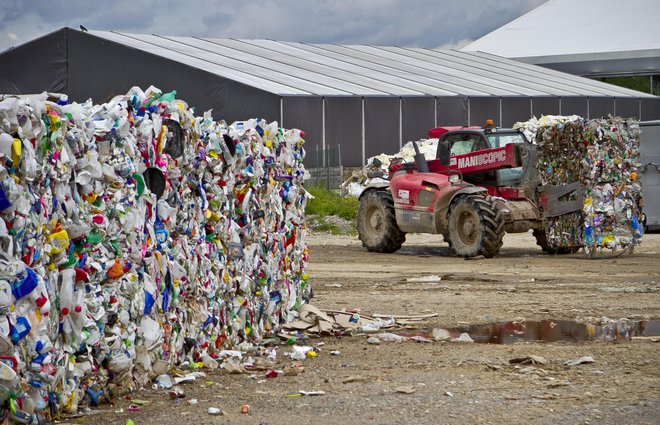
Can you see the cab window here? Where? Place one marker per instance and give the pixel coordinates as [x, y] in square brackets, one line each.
[464, 143]
[497, 140]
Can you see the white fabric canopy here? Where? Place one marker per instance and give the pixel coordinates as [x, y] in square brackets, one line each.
[604, 37]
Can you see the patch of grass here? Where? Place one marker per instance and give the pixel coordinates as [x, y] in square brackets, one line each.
[329, 228]
[327, 203]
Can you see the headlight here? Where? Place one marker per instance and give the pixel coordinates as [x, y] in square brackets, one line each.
[454, 178]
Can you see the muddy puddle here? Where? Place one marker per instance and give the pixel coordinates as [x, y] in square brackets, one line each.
[514, 332]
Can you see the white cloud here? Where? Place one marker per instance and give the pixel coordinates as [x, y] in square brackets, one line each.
[12, 37]
[456, 45]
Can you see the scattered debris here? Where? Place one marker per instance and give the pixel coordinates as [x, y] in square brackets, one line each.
[531, 359]
[294, 370]
[464, 337]
[234, 368]
[388, 336]
[356, 378]
[311, 392]
[215, 411]
[425, 279]
[440, 334]
[581, 360]
[301, 352]
[646, 338]
[407, 389]
[373, 340]
[175, 393]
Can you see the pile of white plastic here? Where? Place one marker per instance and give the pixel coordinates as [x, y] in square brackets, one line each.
[136, 236]
[377, 166]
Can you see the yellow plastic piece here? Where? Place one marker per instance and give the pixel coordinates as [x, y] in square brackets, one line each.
[161, 139]
[16, 151]
[59, 241]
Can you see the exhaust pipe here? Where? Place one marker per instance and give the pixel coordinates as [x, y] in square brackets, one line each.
[420, 160]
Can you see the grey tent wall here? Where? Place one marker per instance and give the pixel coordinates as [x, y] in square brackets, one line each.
[417, 118]
[626, 107]
[381, 125]
[545, 105]
[101, 69]
[601, 107]
[650, 109]
[574, 106]
[306, 114]
[37, 66]
[483, 108]
[515, 109]
[452, 110]
[343, 126]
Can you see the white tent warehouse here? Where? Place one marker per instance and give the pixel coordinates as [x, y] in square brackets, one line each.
[368, 99]
[593, 38]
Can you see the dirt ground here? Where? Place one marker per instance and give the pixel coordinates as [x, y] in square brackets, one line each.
[449, 382]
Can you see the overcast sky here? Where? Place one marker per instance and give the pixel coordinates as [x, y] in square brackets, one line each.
[411, 23]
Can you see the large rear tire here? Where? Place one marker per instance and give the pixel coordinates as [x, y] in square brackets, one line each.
[542, 241]
[376, 223]
[475, 226]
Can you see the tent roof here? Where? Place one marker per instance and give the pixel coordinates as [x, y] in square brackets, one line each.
[290, 69]
[609, 37]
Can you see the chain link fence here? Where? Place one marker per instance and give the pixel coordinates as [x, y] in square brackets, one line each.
[325, 168]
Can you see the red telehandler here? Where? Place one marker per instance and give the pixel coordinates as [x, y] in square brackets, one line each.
[482, 183]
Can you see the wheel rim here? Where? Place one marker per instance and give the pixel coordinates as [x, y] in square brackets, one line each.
[375, 220]
[467, 228]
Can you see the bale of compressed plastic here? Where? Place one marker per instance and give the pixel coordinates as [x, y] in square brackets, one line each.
[137, 236]
[613, 199]
[602, 155]
[561, 145]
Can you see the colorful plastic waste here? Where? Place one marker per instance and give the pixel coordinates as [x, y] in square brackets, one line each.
[602, 155]
[137, 237]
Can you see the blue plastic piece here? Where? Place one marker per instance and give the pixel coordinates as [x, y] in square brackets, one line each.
[94, 396]
[148, 302]
[27, 281]
[21, 329]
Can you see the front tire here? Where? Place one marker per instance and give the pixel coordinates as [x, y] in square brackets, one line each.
[376, 223]
[475, 226]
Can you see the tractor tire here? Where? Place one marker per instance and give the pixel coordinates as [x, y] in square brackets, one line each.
[475, 226]
[376, 223]
[542, 241]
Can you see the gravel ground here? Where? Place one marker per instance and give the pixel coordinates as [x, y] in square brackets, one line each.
[548, 297]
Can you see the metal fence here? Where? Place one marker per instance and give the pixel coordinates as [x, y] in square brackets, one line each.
[325, 167]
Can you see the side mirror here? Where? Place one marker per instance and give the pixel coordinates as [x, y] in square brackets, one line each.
[444, 152]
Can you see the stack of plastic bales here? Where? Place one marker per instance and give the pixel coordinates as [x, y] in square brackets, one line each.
[137, 236]
[602, 155]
